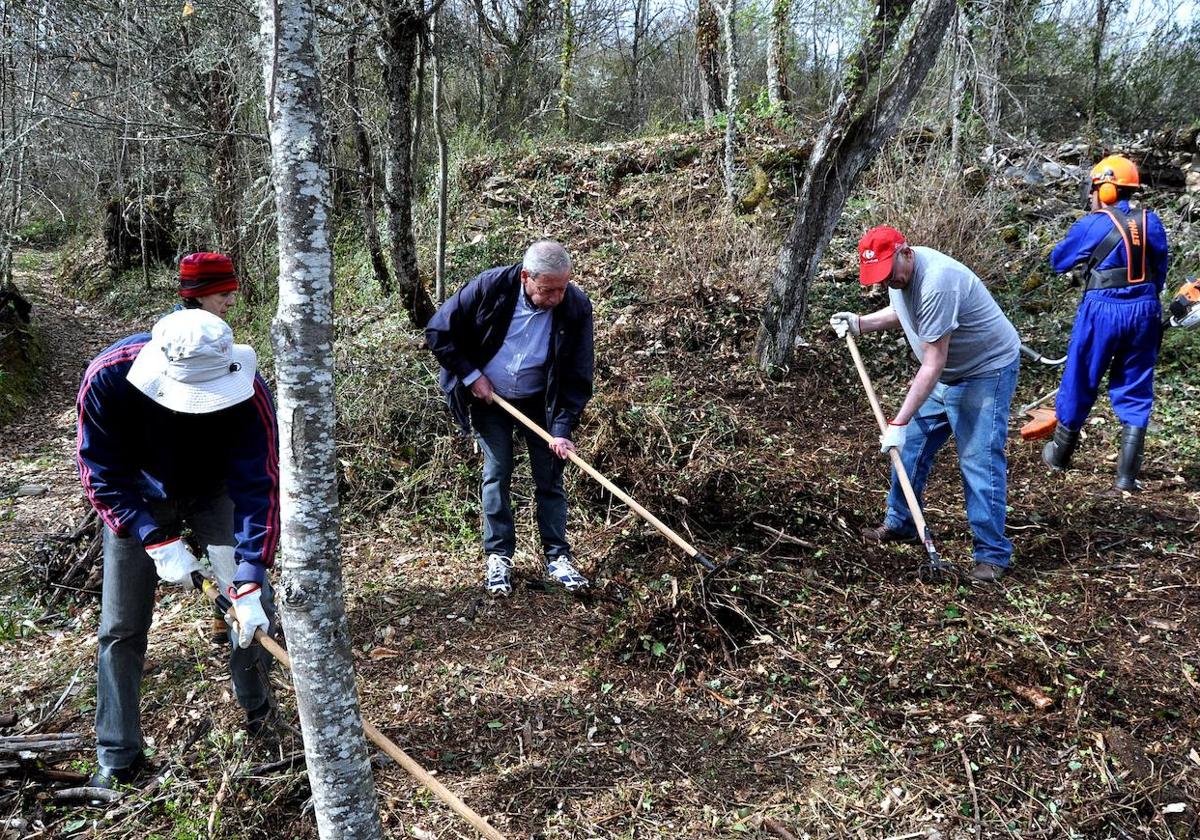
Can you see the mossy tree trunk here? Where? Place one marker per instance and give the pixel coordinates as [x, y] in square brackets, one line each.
[778, 53]
[366, 174]
[866, 115]
[566, 67]
[400, 25]
[708, 58]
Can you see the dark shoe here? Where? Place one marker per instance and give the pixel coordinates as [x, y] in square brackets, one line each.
[109, 777]
[988, 572]
[884, 534]
[1058, 452]
[1129, 461]
[260, 721]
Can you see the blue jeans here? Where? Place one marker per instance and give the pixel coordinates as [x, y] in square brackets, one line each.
[126, 610]
[975, 411]
[494, 431]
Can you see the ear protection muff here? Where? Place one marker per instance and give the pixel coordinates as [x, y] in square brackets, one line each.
[1108, 193]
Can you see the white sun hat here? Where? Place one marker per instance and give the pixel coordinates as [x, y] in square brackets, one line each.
[191, 365]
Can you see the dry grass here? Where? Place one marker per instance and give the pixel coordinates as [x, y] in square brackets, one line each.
[918, 191]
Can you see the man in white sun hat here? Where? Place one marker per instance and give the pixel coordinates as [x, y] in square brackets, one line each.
[177, 431]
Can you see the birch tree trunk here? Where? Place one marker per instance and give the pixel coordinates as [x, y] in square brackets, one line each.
[1099, 33]
[23, 129]
[418, 117]
[443, 159]
[728, 15]
[862, 120]
[310, 592]
[992, 27]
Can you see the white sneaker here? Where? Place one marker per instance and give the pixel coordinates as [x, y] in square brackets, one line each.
[498, 578]
[561, 570]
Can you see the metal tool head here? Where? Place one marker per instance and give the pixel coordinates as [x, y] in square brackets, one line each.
[711, 568]
[937, 569]
[705, 561]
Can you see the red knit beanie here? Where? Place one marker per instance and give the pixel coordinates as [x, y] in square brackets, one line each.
[206, 274]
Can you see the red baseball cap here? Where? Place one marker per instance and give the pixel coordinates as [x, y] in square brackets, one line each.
[875, 252]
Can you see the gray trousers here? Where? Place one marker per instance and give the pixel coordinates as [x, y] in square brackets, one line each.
[127, 607]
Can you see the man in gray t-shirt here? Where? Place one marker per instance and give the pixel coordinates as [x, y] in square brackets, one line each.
[970, 355]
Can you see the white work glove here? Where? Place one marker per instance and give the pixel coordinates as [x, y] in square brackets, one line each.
[247, 609]
[893, 437]
[844, 322]
[174, 562]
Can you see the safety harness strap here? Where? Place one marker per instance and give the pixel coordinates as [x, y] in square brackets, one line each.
[1131, 230]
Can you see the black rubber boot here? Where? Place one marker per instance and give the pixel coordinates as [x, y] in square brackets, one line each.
[1057, 453]
[1129, 462]
[109, 778]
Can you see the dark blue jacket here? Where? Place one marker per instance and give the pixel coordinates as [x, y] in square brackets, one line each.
[1090, 231]
[470, 327]
[132, 451]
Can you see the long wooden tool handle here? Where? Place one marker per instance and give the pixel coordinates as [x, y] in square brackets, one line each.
[594, 473]
[905, 485]
[373, 735]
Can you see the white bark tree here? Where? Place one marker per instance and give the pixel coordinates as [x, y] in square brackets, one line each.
[443, 146]
[727, 12]
[339, 767]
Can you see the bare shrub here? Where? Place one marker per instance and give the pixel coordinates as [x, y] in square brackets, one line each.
[917, 190]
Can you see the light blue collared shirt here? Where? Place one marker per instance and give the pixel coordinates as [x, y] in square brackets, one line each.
[519, 367]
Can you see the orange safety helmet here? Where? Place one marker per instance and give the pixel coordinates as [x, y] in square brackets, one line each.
[1113, 172]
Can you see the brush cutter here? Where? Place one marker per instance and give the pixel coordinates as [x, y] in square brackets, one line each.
[1042, 421]
[1184, 309]
[691, 551]
[213, 593]
[936, 567]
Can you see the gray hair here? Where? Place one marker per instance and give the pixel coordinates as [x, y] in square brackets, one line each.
[546, 257]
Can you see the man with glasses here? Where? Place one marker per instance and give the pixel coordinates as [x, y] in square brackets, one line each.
[969, 354]
[524, 332]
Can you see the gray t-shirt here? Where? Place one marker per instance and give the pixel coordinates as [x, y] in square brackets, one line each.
[944, 296]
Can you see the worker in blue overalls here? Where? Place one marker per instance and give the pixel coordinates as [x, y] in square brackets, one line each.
[1123, 251]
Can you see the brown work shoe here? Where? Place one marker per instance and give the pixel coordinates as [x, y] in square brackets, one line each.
[988, 572]
[884, 534]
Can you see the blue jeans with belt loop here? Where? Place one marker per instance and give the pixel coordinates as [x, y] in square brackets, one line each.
[126, 611]
[975, 410]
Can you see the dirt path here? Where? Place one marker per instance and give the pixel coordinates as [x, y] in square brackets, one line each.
[37, 449]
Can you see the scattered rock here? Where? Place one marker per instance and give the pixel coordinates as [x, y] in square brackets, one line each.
[32, 490]
[1052, 170]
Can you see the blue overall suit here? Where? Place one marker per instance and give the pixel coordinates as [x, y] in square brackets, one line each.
[1117, 330]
